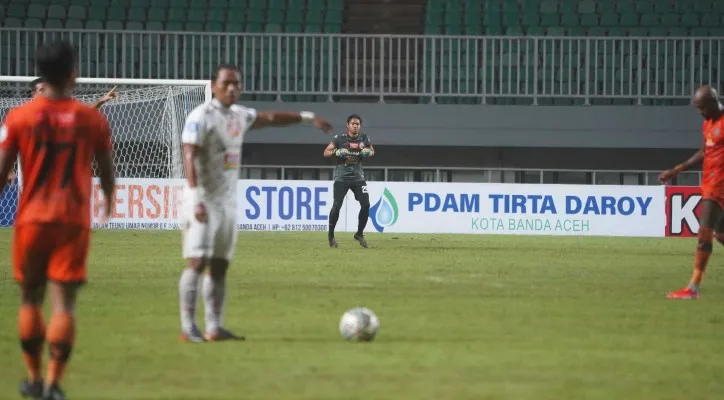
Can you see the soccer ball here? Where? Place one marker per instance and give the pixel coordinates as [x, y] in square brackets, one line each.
[359, 324]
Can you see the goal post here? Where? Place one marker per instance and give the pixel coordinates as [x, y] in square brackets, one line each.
[146, 120]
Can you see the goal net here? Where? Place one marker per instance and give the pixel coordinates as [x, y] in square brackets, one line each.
[146, 120]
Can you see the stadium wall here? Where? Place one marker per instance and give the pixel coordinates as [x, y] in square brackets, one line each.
[611, 127]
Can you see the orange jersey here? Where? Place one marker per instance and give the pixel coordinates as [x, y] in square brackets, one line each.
[713, 170]
[56, 141]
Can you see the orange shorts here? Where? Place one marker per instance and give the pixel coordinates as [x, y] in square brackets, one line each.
[54, 252]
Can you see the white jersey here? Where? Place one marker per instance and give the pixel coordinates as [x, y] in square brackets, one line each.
[218, 132]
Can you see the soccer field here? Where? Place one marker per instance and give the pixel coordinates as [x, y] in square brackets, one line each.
[462, 317]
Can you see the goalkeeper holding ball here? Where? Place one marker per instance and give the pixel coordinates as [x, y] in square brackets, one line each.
[350, 149]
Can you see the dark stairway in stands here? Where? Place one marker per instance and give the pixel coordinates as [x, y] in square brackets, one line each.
[365, 59]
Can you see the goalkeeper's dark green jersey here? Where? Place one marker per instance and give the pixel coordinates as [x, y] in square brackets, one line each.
[349, 169]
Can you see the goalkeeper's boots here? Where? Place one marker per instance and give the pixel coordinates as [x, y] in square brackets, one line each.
[54, 393]
[684, 294]
[33, 390]
[222, 334]
[332, 242]
[361, 239]
[192, 336]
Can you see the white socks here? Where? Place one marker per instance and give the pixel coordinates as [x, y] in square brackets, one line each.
[213, 291]
[188, 287]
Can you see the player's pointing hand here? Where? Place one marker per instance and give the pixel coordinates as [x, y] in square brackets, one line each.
[667, 175]
[322, 124]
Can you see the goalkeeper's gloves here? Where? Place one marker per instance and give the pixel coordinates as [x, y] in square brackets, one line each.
[341, 153]
[365, 153]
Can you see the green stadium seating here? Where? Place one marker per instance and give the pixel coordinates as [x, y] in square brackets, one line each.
[612, 18]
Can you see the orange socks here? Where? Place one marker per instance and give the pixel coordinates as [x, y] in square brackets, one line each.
[31, 329]
[61, 336]
[703, 252]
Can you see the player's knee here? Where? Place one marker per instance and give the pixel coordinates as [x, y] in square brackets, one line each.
[719, 237]
[196, 263]
[60, 351]
[64, 296]
[32, 345]
[337, 205]
[364, 203]
[32, 294]
[218, 268]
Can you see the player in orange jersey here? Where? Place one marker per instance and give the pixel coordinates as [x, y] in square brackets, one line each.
[712, 185]
[56, 138]
[36, 88]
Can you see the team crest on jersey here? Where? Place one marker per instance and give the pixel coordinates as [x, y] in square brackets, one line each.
[354, 145]
[233, 127]
[231, 160]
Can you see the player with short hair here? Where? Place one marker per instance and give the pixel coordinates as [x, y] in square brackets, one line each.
[56, 139]
[711, 223]
[212, 139]
[350, 150]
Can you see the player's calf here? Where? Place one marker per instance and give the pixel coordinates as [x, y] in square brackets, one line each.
[188, 293]
[31, 329]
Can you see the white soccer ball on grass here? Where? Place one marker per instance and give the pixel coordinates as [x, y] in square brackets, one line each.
[359, 324]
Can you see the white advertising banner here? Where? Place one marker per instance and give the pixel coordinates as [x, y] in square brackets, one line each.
[472, 208]
[515, 209]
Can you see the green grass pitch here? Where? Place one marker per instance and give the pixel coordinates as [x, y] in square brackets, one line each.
[462, 317]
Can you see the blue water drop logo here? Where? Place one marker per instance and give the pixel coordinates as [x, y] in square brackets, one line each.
[385, 212]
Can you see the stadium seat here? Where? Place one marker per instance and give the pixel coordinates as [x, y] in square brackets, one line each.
[56, 12]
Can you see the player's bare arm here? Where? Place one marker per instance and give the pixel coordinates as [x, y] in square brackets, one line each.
[330, 150]
[693, 161]
[190, 152]
[112, 94]
[108, 181]
[7, 159]
[284, 118]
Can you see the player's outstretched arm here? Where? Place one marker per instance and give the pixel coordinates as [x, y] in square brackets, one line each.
[106, 98]
[284, 118]
[670, 174]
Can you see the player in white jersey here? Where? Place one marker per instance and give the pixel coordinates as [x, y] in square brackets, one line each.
[212, 139]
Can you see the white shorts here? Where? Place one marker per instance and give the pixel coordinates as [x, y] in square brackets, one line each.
[216, 238]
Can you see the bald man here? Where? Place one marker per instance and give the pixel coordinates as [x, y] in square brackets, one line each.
[707, 102]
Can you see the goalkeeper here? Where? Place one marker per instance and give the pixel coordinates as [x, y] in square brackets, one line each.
[37, 86]
[350, 149]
